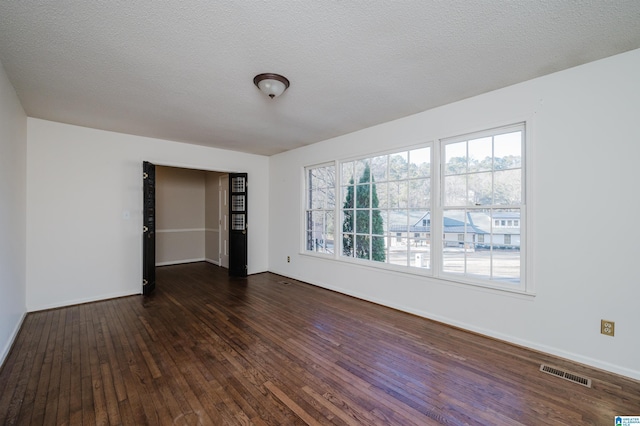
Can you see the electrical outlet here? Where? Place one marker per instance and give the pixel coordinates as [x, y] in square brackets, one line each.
[288, 259]
[607, 327]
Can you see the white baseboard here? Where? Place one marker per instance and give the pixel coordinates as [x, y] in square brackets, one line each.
[9, 344]
[178, 262]
[215, 262]
[80, 301]
[578, 358]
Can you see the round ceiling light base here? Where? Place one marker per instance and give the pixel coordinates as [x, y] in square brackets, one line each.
[272, 85]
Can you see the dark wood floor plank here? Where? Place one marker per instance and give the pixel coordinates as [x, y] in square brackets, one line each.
[86, 383]
[41, 391]
[134, 402]
[16, 372]
[75, 375]
[269, 350]
[64, 387]
[113, 348]
[98, 356]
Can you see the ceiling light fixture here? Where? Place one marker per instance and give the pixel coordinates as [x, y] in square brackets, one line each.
[273, 85]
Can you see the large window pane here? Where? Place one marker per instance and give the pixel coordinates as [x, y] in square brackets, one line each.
[398, 253]
[362, 247]
[398, 220]
[480, 155]
[506, 265]
[398, 233]
[508, 150]
[347, 221]
[419, 248]
[319, 218]
[318, 230]
[480, 189]
[488, 246]
[331, 197]
[378, 222]
[318, 198]
[419, 192]
[348, 196]
[378, 249]
[382, 190]
[363, 225]
[398, 194]
[347, 245]
[363, 196]
[309, 230]
[347, 173]
[359, 173]
[453, 260]
[478, 262]
[455, 158]
[329, 232]
[455, 190]
[420, 163]
[379, 168]
[398, 166]
[508, 187]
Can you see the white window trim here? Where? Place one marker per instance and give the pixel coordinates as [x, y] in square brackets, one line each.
[526, 287]
[305, 203]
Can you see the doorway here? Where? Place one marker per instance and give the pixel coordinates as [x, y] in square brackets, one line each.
[192, 218]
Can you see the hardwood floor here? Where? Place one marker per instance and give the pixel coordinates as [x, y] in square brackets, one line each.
[268, 350]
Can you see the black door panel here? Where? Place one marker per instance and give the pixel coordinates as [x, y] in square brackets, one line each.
[238, 229]
[149, 229]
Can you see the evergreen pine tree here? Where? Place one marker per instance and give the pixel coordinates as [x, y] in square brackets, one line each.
[364, 248]
[378, 251]
[347, 224]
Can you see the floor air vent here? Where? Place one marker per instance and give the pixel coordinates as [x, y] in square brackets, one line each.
[554, 371]
[284, 282]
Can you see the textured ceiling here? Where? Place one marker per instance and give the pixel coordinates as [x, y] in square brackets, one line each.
[183, 69]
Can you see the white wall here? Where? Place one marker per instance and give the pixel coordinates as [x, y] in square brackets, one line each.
[13, 164]
[81, 185]
[584, 236]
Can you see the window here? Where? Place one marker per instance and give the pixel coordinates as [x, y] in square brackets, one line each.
[384, 196]
[320, 209]
[482, 184]
[379, 209]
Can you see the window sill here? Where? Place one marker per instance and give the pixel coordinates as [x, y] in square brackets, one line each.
[425, 273]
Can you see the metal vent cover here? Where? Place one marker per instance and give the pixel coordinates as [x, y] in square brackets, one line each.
[567, 375]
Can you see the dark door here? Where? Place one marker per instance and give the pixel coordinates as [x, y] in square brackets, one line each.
[238, 229]
[149, 228]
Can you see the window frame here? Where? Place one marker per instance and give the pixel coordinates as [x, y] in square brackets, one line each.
[436, 208]
[389, 236]
[524, 284]
[307, 209]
